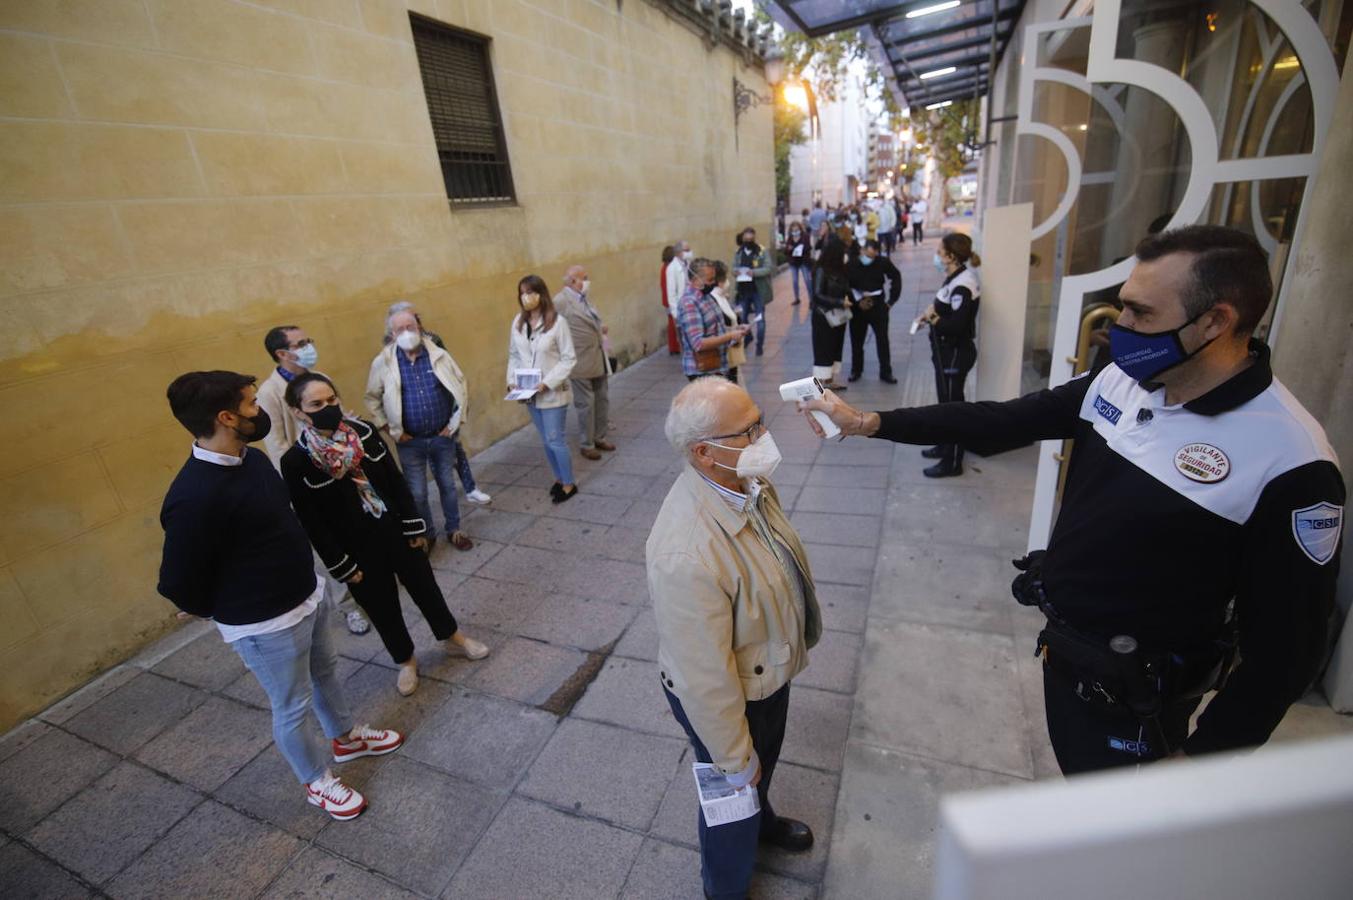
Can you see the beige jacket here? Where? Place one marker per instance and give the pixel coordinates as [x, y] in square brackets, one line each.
[730, 628]
[588, 344]
[285, 427]
[551, 352]
[384, 391]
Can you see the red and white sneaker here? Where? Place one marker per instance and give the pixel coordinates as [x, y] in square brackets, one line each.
[368, 742]
[335, 797]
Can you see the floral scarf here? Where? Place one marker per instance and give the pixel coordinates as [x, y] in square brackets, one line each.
[341, 455]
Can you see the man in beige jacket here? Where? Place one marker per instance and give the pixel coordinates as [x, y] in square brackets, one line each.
[736, 611]
[592, 370]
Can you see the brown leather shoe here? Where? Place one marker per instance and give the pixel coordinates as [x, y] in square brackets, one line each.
[605, 445]
[589, 453]
[460, 541]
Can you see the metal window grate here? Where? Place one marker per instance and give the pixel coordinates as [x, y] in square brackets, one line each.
[463, 105]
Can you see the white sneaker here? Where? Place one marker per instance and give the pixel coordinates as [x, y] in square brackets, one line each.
[357, 623]
[478, 496]
[334, 797]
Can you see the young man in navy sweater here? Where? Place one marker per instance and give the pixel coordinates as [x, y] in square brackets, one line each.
[235, 552]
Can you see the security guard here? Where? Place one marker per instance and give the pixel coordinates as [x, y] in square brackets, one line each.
[1203, 505]
[952, 318]
[867, 274]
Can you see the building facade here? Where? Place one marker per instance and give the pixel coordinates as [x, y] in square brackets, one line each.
[177, 176]
[831, 165]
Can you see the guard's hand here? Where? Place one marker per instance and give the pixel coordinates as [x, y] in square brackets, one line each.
[354, 578]
[418, 543]
[843, 415]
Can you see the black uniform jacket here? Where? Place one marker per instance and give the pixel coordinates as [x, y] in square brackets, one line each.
[1172, 512]
[868, 279]
[331, 510]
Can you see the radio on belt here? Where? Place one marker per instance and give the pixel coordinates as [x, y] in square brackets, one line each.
[809, 389]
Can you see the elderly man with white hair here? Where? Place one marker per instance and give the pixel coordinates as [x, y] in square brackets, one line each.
[593, 369]
[736, 611]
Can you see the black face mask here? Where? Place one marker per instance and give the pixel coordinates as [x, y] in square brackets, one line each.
[706, 289]
[262, 426]
[328, 418]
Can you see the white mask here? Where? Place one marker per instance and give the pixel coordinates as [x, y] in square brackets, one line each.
[586, 286]
[688, 255]
[408, 340]
[758, 459]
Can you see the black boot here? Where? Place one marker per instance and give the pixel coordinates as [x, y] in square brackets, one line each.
[943, 469]
[935, 452]
[888, 379]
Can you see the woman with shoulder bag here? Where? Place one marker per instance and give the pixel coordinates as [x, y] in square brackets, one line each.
[831, 312]
[706, 336]
[737, 352]
[540, 340]
[361, 518]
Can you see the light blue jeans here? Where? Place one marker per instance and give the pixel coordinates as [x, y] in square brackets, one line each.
[550, 424]
[294, 666]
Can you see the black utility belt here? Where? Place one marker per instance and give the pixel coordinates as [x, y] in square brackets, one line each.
[1132, 679]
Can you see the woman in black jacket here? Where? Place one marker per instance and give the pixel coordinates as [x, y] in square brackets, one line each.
[831, 311]
[361, 518]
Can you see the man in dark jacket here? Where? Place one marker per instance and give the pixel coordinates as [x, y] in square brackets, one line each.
[867, 274]
[234, 552]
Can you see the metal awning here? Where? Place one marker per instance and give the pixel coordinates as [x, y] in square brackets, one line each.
[920, 38]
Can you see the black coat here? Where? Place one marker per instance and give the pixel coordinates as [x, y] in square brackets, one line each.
[331, 511]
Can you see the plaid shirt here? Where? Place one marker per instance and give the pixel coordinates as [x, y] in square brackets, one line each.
[426, 403]
[698, 317]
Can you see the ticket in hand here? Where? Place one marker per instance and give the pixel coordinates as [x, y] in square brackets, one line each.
[809, 389]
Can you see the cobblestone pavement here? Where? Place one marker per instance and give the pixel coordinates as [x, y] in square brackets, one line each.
[159, 778]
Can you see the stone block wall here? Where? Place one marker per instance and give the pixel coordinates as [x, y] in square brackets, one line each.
[177, 176]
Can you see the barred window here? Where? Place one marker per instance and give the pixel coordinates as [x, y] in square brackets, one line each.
[463, 104]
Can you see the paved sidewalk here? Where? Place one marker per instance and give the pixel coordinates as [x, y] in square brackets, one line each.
[554, 768]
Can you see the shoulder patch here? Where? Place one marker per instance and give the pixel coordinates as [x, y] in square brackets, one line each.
[1203, 463]
[1107, 409]
[1317, 530]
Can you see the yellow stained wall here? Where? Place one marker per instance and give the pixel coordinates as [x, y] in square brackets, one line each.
[176, 176]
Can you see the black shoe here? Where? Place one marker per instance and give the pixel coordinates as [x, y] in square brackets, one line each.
[555, 490]
[760, 351]
[887, 379]
[854, 376]
[565, 495]
[796, 303]
[936, 452]
[787, 834]
[943, 470]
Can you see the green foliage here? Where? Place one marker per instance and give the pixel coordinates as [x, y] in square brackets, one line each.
[790, 122]
[944, 135]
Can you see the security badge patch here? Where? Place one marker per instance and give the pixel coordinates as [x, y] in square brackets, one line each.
[1317, 529]
[1203, 463]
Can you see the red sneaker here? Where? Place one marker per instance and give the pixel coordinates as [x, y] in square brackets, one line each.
[367, 741]
[335, 797]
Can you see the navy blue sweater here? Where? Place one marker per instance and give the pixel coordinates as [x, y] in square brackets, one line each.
[233, 549]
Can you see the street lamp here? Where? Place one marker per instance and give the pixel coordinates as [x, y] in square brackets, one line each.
[744, 98]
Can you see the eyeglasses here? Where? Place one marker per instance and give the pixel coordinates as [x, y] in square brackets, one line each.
[757, 429]
[303, 342]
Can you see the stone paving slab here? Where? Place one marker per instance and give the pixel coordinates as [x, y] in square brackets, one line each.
[421, 824]
[534, 851]
[44, 774]
[525, 670]
[137, 711]
[28, 875]
[213, 852]
[210, 744]
[317, 875]
[481, 738]
[627, 693]
[208, 663]
[664, 871]
[582, 623]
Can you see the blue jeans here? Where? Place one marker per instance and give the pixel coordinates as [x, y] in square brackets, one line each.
[550, 424]
[749, 307]
[295, 666]
[801, 271]
[463, 467]
[728, 852]
[415, 455]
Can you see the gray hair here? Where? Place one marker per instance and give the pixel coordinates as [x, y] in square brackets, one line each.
[395, 309]
[572, 272]
[680, 244]
[694, 414]
[697, 265]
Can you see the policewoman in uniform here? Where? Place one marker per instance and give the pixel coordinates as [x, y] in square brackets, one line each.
[952, 318]
[1203, 506]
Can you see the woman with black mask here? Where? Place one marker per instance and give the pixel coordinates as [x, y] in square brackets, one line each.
[357, 509]
[752, 272]
[831, 312]
[799, 250]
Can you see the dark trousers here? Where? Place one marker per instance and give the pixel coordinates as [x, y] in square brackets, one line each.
[728, 852]
[952, 362]
[828, 342]
[876, 317]
[749, 307]
[385, 557]
[1088, 735]
[916, 233]
[889, 241]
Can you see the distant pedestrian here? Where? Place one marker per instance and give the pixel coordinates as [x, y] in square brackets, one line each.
[235, 553]
[831, 312]
[358, 511]
[669, 253]
[918, 212]
[592, 369]
[752, 271]
[293, 353]
[816, 217]
[677, 276]
[799, 251]
[867, 275]
[888, 226]
[472, 491]
[417, 395]
[541, 341]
